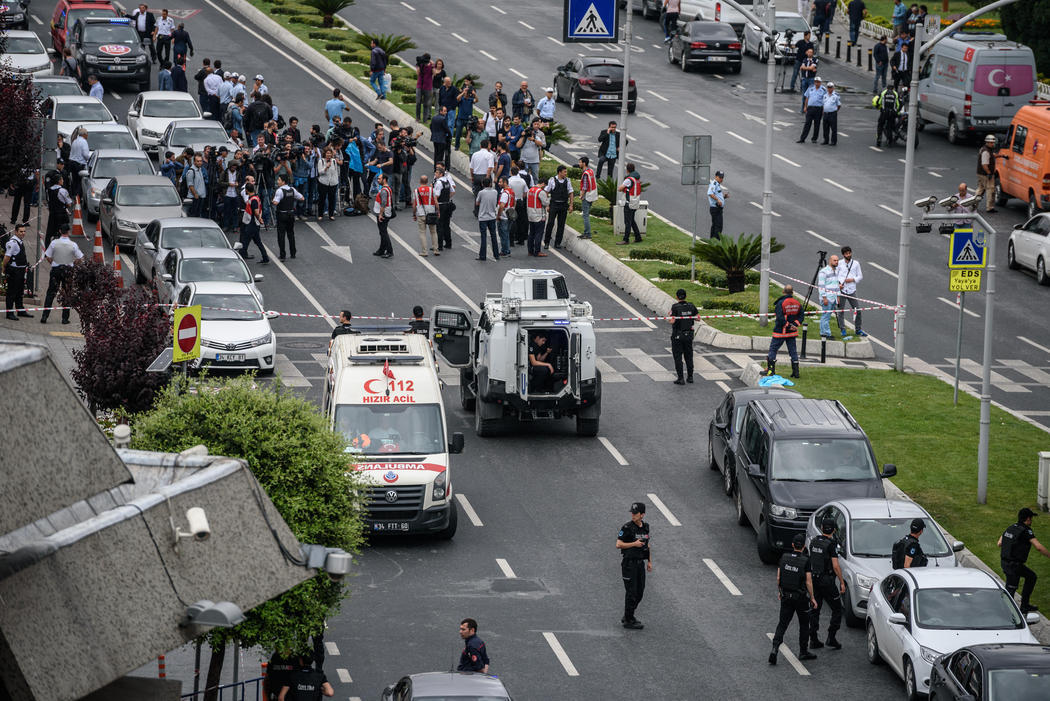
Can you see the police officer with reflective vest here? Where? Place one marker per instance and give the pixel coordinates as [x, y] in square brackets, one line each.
[62, 254]
[536, 212]
[284, 203]
[633, 544]
[15, 266]
[788, 312]
[384, 211]
[632, 188]
[425, 214]
[828, 584]
[444, 188]
[889, 104]
[1015, 544]
[907, 552]
[306, 684]
[795, 584]
[252, 220]
[682, 314]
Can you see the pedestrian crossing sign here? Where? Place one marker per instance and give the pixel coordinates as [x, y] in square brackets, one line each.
[967, 249]
[591, 21]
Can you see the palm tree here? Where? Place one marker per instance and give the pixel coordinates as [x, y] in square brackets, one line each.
[555, 133]
[607, 189]
[734, 256]
[389, 43]
[328, 9]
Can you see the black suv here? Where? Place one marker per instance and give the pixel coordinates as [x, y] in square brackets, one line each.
[793, 456]
[14, 15]
[110, 49]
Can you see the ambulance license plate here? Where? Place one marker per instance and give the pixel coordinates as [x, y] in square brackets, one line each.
[230, 357]
[393, 526]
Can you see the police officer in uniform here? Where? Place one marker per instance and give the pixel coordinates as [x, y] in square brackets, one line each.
[788, 312]
[62, 254]
[828, 584]
[15, 266]
[633, 543]
[279, 672]
[306, 684]
[795, 583]
[682, 336]
[474, 658]
[1015, 544]
[419, 324]
[284, 201]
[907, 552]
[58, 203]
[444, 188]
[344, 324]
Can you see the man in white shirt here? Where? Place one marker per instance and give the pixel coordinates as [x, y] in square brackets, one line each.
[520, 229]
[146, 25]
[849, 275]
[62, 254]
[481, 165]
[165, 27]
[212, 83]
[79, 153]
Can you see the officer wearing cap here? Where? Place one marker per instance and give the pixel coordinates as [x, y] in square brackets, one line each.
[907, 552]
[1014, 546]
[682, 314]
[306, 684]
[633, 544]
[716, 202]
[828, 584]
[795, 585]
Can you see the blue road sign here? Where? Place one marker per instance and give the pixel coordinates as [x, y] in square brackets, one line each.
[591, 21]
[967, 249]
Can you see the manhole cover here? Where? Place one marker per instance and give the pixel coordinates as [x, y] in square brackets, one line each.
[301, 344]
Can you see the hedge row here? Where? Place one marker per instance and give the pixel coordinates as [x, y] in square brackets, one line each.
[715, 278]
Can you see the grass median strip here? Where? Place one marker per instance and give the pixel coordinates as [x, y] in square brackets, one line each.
[912, 423]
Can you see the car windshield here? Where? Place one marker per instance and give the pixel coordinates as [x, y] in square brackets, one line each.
[24, 45]
[822, 460]
[111, 139]
[111, 34]
[217, 307]
[795, 24]
[610, 71]
[183, 136]
[213, 270]
[1018, 685]
[123, 165]
[58, 87]
[147, 196]
[82, 112]
[966, 609]
[192, 237]
[170, 108]
[874, 537]
[390, 429]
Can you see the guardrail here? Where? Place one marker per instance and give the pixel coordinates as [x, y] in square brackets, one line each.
[238, 691]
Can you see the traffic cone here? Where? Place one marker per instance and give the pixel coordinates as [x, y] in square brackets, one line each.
[78, 222]
[98, 253]
[116, 266]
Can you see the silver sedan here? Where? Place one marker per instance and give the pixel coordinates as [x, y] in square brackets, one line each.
[103, 166]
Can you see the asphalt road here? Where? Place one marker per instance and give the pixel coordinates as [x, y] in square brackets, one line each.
[538, 565]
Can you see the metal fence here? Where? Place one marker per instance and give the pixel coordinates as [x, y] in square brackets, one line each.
[238, 691]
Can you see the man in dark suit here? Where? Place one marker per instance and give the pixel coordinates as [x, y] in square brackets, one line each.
[901, 65]
[146, 25]
[608, 150]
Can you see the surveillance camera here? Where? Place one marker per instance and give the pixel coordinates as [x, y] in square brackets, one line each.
[198, 521]
[337, 564]
[949, 201]
[926, 202]
[970, 202]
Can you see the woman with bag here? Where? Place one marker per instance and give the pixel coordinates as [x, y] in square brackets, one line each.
[327, 184]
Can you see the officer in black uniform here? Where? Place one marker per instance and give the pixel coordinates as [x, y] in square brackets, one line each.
[795, 583]
[344, 324]
[419, 324]
[279, 672]
[828, 584]
[58, 202]
[306, 684]
[284, 200]
[474, 658]
[633, 543]
[1015, 544]
[15, 265]
[682, 336]
[907, 552]
[541, 371]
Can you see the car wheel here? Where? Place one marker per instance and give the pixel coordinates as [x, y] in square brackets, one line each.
[852, 619]
[736, 68]
[738, 501]
[483, 427]
[1033, 208]
[766, 552]
[710, 454]
[873, 646]
[1040, 272]
[574, 100]
[631, 107]
[1011, 257]
[683, 63]
[743, 45]
[89, 215]
[448, 531]
[139, 277]
[727, 476]
[911, 693]
[1000, 196]
[467, 400]
[670, 54]
[954, 137]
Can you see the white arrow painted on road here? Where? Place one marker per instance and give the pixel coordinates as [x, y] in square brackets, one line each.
[330, 245]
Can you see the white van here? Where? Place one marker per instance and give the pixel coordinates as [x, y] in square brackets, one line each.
[382, 392]
[972, 84]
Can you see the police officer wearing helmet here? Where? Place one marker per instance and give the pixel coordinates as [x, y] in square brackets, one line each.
[828, 584]
[907, 552]
[306, 684]
[682, 336]
[633, 544]
[795, 584]
[1015, 544]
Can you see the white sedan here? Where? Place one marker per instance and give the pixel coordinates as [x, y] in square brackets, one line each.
[25, 55]
[1029, 247]
[71, 111]
[153, 110]
[235, 331]
[916, 615]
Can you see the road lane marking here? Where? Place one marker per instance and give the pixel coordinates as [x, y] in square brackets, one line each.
[527, 26]
[825, 240]
[694, 114]
[726, 582]
[556, 41]
[410, 8]
[1028, 371]
[502, 12]
[519, 74]
[290, 375]
[936, 175]
[504, 567]
[656, 46]
[617, 456]
[723, 386]
[432, 21]
[829, 181]
[889, 209]
[460, 38]
[589, 278]
[116, 96]
[666, 158]
[344, 675]
[1033, 343]
[486, 54]
[559, 652]
[901, 160]
[330, 245]
[657, 95]
[756, 205]
[592, 116]
[468, 509]
[719, 76]
[885, 270]
[663, 509]
[735, 135]
[790, 111]
[956, 306]
[329, 646]
[654, 120]
[37, 19]
[437, 273]
[876, 149]
[1000, 381]
[842, 133]
[786, 160]
[790, 657]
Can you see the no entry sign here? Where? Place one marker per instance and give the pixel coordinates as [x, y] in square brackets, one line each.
[186, 334]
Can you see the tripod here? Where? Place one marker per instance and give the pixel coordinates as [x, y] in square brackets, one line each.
[822, 260]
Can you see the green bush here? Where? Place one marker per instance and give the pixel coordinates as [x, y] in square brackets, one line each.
[328, 34]
[659, 254]
[333, 45]
[409, 97]
[309, 20]
[731, 305]
[286, 10]
[707, 277]
[404, 86]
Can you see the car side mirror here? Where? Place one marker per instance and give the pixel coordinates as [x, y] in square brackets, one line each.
[84, 173]
[237, 246]
[148, 246]
[187, 200]
[889, 470]
[133, 113]
[1031, 617]
[258, 277]
[271, 314]
[899, 619]
[957, 546]
[754, 469]
[52, 54]
[166, 277]
[456, 446]
[105, 200]
[207, 115]
[721, 425]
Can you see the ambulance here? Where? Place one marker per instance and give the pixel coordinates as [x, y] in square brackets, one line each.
[382, 393]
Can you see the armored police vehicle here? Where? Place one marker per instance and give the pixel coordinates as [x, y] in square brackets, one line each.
[531, 355]
[382, 392]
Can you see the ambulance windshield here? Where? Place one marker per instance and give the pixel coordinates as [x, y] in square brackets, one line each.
[407, 429]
